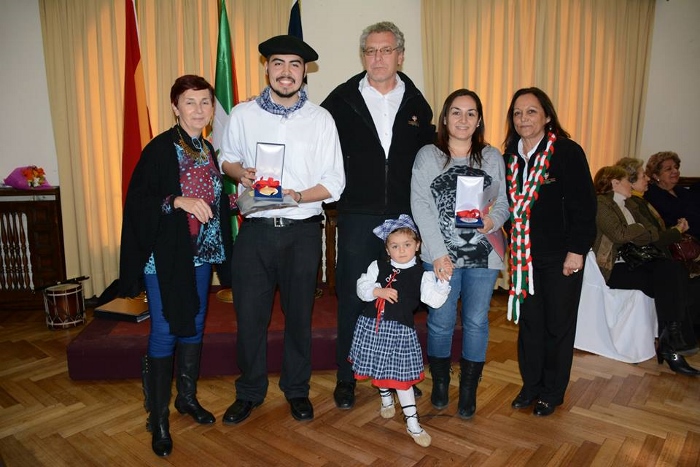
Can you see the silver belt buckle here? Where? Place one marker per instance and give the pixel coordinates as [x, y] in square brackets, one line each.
[278, 221]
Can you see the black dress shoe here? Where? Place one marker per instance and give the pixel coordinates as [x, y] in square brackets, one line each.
[522, 402]
[344, 395]
[302, 409]
[239, 411]
[417, 393]
[542, 409]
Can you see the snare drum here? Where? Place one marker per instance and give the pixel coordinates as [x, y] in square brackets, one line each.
[64, 306]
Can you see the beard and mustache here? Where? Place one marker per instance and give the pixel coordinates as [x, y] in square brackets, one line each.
[282, 94]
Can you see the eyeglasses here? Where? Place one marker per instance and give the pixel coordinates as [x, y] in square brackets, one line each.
[372, 52]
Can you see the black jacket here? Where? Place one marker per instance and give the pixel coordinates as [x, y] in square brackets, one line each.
[563, 218]
[376, 184]
[146, 230]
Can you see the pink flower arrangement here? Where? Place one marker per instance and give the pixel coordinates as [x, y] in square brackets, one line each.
[27, 178]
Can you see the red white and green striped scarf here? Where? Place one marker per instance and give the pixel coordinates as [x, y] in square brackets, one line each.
[522, 199]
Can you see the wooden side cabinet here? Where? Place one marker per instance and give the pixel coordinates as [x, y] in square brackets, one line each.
[31, 246]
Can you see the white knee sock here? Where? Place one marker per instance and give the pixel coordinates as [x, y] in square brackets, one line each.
[408, 403]
[387, 397]
[407, 399]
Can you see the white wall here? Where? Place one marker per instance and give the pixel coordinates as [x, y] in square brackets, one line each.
[333, 28]
[671, 120]
[25, 118]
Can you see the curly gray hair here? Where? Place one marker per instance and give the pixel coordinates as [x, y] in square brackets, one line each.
[631, 166]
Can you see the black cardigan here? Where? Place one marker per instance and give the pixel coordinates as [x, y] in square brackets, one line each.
[376, 184]
[146, 230]
[563, 218]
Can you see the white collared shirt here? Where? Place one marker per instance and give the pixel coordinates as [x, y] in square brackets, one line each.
[526, 157]
[531, 152]
[312, 152]
[383, 108]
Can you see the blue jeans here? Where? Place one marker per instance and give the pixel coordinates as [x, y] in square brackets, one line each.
[475, 287]
[160, 342]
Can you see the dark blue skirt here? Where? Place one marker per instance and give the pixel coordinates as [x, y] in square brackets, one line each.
[391, 357]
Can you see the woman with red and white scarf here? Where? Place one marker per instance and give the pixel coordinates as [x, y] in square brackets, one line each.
[553, 208]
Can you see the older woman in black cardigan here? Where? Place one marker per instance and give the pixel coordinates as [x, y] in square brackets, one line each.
[619, 222]
[176, 225]
[672, 201]
[552, 228]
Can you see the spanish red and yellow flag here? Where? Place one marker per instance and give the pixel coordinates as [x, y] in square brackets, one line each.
[137, 126]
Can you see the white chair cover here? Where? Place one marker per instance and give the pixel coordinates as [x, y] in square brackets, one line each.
[614, 323]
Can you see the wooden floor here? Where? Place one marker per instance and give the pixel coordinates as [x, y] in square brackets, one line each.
[614, 414]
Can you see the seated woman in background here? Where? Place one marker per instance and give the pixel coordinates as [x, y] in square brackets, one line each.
[673, 202]
[667, 236]
[619, 222]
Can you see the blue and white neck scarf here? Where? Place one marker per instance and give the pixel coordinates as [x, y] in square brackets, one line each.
[266, 103]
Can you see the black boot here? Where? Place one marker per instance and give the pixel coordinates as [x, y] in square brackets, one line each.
[188, 358]
[677, 341]
[666, 353]
[468, 381]
[146, 386]
[158, 379]
[440, 368]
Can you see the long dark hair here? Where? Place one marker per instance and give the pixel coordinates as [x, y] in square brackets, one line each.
[553, 126]
[443, 137]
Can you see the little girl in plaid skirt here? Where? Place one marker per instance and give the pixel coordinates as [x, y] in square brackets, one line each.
[385, 345]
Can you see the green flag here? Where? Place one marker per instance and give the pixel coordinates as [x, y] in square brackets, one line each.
[225, 93]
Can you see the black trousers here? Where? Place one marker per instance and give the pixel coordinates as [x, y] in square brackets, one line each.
[676, 296]
[263, 258]
[548, 329]
[357, 248]
[664, 280]
[694, 308]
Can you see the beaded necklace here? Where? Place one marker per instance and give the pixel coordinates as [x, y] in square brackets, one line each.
[522, 199]
[198, 157]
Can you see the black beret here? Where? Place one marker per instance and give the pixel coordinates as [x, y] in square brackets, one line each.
[287, 45]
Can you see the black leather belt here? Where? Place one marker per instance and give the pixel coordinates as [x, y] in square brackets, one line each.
[283, 221]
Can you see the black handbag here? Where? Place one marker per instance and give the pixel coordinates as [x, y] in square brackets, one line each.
[635, 255]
